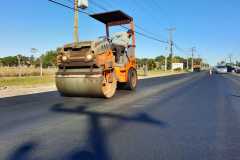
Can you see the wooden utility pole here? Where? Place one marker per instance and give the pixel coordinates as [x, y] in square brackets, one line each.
[34, 50]
[75, 34]
[41, 65]
[170, 44]
[165, 63]
[230, 58]
[19, 65]
[145, 69]
[193, 50]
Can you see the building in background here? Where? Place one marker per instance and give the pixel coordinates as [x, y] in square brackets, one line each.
[177, 66]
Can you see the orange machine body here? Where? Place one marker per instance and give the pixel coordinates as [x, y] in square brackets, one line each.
[121, 72]
[98, 67]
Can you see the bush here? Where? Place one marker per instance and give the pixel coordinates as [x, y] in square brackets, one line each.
[177, 69]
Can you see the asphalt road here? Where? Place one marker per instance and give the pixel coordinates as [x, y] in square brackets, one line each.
[182, 117]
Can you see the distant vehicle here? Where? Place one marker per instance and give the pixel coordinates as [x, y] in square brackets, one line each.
[196, 68]
[221, 69]
[237, 69]
[197, 65]
[230, 69]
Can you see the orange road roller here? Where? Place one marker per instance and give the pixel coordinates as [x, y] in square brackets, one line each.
[97, 68]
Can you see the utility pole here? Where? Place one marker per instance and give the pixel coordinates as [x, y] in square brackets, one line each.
[34, 50]
[230, 58]
[41, 65]
[82, 4]
[165, 63]
[170, 44]
[75, 34]
[145, 69]
[19, 65]
[193, 50]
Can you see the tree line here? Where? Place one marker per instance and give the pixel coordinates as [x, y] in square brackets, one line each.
[48, 60]
[159, 62]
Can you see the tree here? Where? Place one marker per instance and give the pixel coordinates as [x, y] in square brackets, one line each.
[160, 60]
[151, 64]
[10, 61]
[178, 59]
[49, 59]
[1, 64]
[32, 59]
[238, 63]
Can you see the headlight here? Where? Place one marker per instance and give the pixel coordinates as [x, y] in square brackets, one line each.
[89, 57]
[64, 58]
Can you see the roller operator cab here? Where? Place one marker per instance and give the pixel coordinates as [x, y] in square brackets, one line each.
[97, 68]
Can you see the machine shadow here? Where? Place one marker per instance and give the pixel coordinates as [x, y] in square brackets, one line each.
[23, 152]
[97, 148]
[97, 134]
[234, 95]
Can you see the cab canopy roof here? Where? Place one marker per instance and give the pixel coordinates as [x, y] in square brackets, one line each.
[113, 18]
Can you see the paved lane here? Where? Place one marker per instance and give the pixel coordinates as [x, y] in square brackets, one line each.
[189, 116]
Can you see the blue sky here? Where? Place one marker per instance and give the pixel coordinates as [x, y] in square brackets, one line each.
[212, 26]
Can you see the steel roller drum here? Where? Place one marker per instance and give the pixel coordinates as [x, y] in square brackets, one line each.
[85, 86]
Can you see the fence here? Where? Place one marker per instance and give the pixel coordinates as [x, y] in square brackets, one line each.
[25, 71]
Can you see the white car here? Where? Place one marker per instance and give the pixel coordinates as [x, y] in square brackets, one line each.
[221, 69]
[237, 69]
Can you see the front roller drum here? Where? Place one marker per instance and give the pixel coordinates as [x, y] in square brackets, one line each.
[85, 86]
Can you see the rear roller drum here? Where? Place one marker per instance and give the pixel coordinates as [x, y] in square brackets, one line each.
[132, 81]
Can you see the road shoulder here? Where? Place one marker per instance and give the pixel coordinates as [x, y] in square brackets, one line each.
[12, 91]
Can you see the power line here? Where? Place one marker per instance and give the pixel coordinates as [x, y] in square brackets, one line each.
[147, 36]
[180, 49]
[137, 26]
[71, 2]
[143, 29]
[66, 6]
[101, 6]
[170, 43]
[137, 32]
[149, 9]
[150, 37]
[98, 5]
[159, 6]
[170, 39]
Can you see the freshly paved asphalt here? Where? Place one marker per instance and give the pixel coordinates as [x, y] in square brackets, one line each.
[183, 117]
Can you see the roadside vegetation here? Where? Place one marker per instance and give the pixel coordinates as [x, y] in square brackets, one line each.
[25, 71]
[20, 65]
[30, 81]
[160, 72]
[25, 81]
[21, 70]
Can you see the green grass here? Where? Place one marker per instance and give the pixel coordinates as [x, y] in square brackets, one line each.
[37, 80]
[157, 72]
[26, 81]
